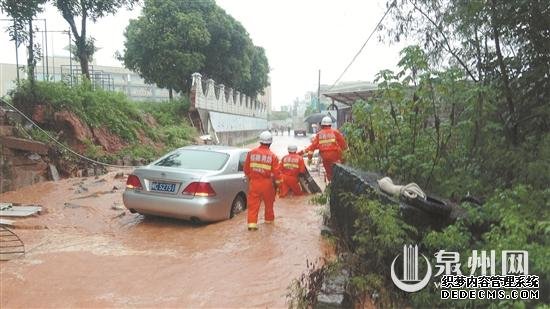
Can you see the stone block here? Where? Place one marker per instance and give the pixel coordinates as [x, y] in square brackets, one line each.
[24, 144]
[6, 130]
[333, 292]
[54, 174]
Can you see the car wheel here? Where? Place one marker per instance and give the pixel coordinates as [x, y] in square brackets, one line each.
[238, 206]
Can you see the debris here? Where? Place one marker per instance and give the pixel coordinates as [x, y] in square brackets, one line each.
[117, 206]
[6, 222]
[19, 211]
[70, 205]
[326, 231]
[11, 245]
[24, 144]
[89, 172]
[54, 174]
[119, 175]
[120, 215]
[127, 160]
[333, 292]
[34, 157]
[115, 188]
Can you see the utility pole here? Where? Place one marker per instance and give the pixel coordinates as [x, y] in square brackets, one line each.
[46, 45]
[70, 58]
[16, 52]
[319, 92]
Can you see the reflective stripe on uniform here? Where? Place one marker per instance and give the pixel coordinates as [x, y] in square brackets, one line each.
[260, 165]
[252, 225]
[290, 165]
[326, 141]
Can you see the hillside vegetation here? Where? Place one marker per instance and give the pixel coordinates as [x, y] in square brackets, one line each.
[102, 125]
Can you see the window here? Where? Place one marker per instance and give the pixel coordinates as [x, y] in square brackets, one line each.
[242, 158]
[194, 159]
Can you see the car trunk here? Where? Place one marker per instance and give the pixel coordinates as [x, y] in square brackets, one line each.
[168, 181]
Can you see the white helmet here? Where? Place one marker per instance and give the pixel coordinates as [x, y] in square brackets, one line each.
[326, 121]
[266, 137]
[292, 148]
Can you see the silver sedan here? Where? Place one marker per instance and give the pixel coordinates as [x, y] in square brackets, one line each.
[197, 183]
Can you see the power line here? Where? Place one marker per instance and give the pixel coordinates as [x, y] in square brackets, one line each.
[364, 44]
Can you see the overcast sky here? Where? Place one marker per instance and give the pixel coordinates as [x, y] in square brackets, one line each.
[300, 37]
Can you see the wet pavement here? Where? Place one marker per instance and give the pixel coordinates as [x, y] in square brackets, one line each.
[84, 250]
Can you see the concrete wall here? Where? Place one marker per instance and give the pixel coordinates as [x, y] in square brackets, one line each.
[237, 138]
[217, 98]
[230, 117]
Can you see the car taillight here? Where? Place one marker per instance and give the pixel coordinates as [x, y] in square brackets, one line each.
[199, 189]
[133, 182]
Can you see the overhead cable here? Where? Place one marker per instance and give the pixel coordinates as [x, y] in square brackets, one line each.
[364, 44]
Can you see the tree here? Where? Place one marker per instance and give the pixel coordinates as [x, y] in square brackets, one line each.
[93, 9]
[163, 45]
[22, 30]
[498, 44]
[193, 36]
[259, 71]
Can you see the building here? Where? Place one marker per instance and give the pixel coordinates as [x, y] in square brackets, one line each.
[266, 96]
[106, 77]
[344, 95]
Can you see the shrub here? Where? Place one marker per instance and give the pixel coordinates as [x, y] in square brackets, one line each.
[436, 128]
[112, 110]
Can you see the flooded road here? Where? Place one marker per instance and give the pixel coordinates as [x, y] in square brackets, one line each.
[86, 250]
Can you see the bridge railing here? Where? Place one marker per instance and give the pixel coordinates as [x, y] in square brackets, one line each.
[209, 96]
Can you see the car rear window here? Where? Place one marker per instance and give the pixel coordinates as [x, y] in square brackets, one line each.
[194, 159]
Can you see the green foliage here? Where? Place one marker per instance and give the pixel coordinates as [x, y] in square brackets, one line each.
[302, 292]
[94, 10]
[22, 12]
[502, 44]
[136, 151]
[510, 219]
[175, 136]
[166, 113]
[97, 108]
[22, 31]
[173, 39]
[163, 45]
[438, 128]
[426, 126]
[380, 233]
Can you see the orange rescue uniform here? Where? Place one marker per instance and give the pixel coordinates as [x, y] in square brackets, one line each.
[331, 144]
[262, 168]
[291, 166]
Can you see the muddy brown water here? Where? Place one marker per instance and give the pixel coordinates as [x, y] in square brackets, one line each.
[84, 251]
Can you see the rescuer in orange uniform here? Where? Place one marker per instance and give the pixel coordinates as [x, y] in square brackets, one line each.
[330, 143]
[261, 167]
[292, 165]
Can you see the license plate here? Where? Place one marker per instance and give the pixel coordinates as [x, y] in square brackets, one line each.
[163, 187]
